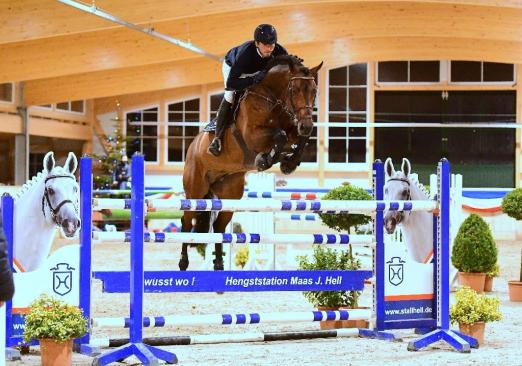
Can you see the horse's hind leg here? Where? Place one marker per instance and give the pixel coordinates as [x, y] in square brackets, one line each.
[230, 187]
[186, 226]
[219, 227]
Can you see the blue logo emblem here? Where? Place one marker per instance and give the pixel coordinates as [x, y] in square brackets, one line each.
[396, 271]
[62, 278]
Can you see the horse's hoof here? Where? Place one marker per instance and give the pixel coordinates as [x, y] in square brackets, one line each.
[183, 264]
[218, 265]
[288, 167]
[262, 162]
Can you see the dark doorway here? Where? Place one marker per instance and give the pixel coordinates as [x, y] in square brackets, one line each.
[484, 156]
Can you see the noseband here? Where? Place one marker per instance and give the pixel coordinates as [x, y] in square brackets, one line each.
[292, 111]
[402, 213]
[56, 210]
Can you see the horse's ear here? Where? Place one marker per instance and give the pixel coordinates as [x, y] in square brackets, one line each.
[48, 161]
[71, 163]
[406, 166]
[314, 70]
[388, 167]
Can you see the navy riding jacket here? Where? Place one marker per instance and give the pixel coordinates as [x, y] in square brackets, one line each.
[245, 59]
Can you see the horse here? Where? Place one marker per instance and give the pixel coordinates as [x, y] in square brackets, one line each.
[49, 199]
[273, 122]
[417, 226]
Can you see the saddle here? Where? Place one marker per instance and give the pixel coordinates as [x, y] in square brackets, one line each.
[211, 126]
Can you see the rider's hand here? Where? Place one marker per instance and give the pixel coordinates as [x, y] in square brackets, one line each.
[259, 76]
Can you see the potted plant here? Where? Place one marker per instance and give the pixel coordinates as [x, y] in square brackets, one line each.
[325, 258]
[512, 206]
[54, 324]
[488, 284]
[515, 287]
[472, 311]
[474, 252]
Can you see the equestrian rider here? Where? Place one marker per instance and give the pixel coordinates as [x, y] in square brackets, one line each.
[243, 67]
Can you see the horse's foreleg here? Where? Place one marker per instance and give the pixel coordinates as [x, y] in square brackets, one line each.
[265, 160]
[290, 162]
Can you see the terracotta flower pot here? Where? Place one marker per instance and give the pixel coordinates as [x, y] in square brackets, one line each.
[488, 284]
[515, 291]
[55, 353]
[473, 280]
[336, 324]
[475, 330]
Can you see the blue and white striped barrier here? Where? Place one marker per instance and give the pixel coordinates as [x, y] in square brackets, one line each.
[230, 319]
[238, 238]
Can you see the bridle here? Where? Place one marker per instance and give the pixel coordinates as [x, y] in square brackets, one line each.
[402, 213]
[55, 210]
[292, 111]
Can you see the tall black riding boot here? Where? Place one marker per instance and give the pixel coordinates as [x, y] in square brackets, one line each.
[221, 124]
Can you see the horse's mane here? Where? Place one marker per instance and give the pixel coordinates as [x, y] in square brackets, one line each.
[419, 185]
[35, 180]
[292, 61]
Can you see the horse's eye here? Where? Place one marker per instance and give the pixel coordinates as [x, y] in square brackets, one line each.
[385, 190]
[50, 191]
[75, 189]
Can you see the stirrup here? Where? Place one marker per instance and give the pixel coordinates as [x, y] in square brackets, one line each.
[215, 146]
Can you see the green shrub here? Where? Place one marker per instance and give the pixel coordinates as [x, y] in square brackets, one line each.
[494, 272]
[343, 222]
[325, 258]
[54, 319]
[512, 204]
[474, 249]
[471, 307]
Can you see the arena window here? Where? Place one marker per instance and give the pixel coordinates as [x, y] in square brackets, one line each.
[183, 120]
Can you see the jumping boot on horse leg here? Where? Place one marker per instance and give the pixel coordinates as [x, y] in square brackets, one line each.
[216, 145]
[264, 161]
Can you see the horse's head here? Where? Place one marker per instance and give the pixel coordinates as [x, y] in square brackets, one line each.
[60, 201]
[397, 188]
[297, 92]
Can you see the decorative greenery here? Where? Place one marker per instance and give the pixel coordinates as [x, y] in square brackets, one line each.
[242, 256]
[471, 307]
[474, 249]
[115, 147]
[54, 319]
[512, 206]
[344, 222]
[494, 272]
[329, 259]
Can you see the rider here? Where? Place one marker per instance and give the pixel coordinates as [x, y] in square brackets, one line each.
[243, 67]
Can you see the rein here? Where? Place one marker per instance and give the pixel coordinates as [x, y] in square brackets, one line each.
[45, 199]
[292, 112]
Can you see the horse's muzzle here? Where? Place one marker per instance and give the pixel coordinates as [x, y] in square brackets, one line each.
[70, 227]
[305, 127]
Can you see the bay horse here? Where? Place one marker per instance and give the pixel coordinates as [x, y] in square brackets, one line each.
[417, 226]
[48, 200]
[273, 115]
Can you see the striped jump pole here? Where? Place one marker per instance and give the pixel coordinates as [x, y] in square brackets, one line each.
[271, 205]
[285, 195]
[234, 338]
[238, 238]
[232, 319]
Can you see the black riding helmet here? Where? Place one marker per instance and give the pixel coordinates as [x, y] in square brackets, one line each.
[265, 33]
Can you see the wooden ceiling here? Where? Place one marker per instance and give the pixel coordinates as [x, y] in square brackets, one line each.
[64, 54]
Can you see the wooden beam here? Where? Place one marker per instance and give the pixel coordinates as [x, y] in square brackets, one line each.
[123, 81]
[203, 71]
[24, 20]
[121, 47]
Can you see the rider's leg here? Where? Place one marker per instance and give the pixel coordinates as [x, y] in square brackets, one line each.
[221, 124]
